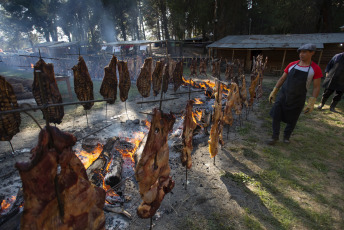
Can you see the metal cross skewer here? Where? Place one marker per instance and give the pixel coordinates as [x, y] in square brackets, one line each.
[11, 148]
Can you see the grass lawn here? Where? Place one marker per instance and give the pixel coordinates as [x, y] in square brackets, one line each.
[301, 184]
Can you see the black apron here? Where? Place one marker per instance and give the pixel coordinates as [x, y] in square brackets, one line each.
[335, 78]
[292, 97]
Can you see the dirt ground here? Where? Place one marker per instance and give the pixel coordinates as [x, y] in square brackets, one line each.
[250, 186]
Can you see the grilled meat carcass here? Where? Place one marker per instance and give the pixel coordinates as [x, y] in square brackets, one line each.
[9, 123]
[165, 78]
[83, 85]
[193, 67]
[131, 68]
[124, 80]
[171, 67]
[49, 93]
[138, 65]
[57, 192]
[229, 71]
[153, 170]
[203, 67]
[231, 101]
[243, 91]
[144, 81]
[178, 76]
[252, 90]
[157, 77]
[217, 126]
[188, 128]
[216, 68]
[108, 88]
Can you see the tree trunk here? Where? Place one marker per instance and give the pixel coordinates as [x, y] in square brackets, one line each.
[158, 28]
[122, 26]
[164, 18]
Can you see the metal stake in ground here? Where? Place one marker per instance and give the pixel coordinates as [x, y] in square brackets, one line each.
[11, 148]
[125, 105]
[186, 173]
[151, 223]
[86, 117]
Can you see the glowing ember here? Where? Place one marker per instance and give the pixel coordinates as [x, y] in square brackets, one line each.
[32, 66]
[88, 158]
[138, 136]
[198, 101]
[6, 204]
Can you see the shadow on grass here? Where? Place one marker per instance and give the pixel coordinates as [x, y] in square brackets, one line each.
[261, 212]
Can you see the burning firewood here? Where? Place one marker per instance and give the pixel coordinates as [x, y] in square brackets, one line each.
[144, 81]
[57, 192]
[83, 85]
[9, 123]
[152, 171]
[45, 85]
[217, 126]
[188, 127]
[108, 88]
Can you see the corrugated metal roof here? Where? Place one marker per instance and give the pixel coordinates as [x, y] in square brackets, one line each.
[137, 42]
[277, 41]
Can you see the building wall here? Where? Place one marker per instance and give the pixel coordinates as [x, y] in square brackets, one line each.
[276, 56]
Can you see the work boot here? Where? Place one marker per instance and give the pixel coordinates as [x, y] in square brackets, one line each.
[320, 106]
[272, 141]
[333, 106]
[286, 140]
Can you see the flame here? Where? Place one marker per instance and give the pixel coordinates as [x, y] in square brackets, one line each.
[6, 204]
[198, 101]
[88, 158]
[32, 66]
[147, 124]
[205, 84]
[197, 116]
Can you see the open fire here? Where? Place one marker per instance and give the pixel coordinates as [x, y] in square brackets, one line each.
[6, 204]
[88, 158]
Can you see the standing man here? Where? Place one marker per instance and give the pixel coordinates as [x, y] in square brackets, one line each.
[334, 81]
[295, 81]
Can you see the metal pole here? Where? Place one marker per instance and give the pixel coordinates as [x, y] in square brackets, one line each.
[11, 148]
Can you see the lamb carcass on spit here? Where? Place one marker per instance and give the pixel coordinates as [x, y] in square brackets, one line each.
[157, 77]
[217, 126]
[193, 67]
[57, 192]
[153, 170]
[83, 85]
[108, 88]
[178, 76]
[188, 128]
[48, 89]
[9, 123]
[124, 80]
[203, 67]
[231, 100]
[252, 89]
[144, 81]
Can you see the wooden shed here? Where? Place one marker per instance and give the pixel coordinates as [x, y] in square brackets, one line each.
[280, 48]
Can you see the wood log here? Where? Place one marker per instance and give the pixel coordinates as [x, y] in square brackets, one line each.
[114, 172]
[99, 165]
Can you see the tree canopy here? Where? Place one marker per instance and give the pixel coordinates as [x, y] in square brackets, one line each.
[97, 21]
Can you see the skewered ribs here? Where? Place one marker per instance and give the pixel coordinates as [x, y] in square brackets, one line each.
[9, 123]
[217, 126]
[45, 91]
[203, 67]
[157, 77]
[166, 78]
[188, 128]
[108, 88]
[231, 101]
[144, 81]
[243, 91]
[178, 76]
[124, 80]
[193, 67]
[83, 85]
[57, 192]
[152, 171]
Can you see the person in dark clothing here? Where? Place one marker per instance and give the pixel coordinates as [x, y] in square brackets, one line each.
[334, 81]
[294, 83]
